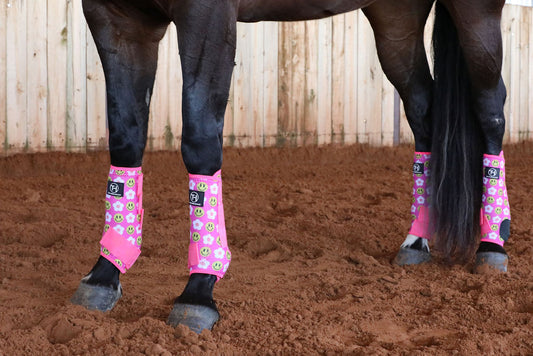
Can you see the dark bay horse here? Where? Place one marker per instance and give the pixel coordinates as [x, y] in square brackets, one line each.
[456, 117]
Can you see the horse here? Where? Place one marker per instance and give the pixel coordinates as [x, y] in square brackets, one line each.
[456, 116]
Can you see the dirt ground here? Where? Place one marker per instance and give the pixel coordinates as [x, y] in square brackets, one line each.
[312, 231]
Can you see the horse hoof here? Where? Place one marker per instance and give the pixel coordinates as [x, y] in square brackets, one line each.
[196, 317]
[485, 261]
[409, 256]
[95, 297]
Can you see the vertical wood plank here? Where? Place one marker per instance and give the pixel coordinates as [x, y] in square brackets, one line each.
[3, 111]
[76, 78]
[16, 62]
[311, 50]
[515, 74]
[324, 81]
[350, 75]
[159, 104]
[37, 76]
[57, 33]
[369, 86]
[530, 76]
[96, 98]
[174, 123]
[338, 79]
[242, 86]
[270, 75]
[256, 75]
[524, 73]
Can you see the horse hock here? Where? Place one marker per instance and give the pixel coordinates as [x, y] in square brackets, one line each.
[122, 235]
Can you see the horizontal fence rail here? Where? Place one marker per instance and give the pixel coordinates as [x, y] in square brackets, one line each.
[302, 83]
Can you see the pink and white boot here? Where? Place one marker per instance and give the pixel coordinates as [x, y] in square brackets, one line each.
[122, 236]
[495, 215]
[208, 248]
[415, 248]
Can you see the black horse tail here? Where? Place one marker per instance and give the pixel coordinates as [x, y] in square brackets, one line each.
[457, 147]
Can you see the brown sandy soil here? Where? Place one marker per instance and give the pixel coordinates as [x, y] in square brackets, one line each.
[313, 232]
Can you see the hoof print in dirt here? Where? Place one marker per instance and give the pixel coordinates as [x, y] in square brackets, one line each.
[491, 261]
[196, 317]
[94, 297]
[409, 256]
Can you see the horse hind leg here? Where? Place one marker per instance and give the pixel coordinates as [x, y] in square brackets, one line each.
[128, 49]
[399, 32]
[482, 47]
[206, 40]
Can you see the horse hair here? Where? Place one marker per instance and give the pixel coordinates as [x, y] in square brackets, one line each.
[457, 147]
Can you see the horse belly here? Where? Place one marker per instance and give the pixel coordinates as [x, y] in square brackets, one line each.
[295, 10]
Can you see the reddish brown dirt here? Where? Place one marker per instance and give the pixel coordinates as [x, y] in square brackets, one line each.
[313, 232]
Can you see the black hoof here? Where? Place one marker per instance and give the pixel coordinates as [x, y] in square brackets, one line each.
[95, 297]
[485, 261]
[409, 256]
[196, 317]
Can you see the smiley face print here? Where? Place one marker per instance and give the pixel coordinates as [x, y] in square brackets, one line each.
[205, 251]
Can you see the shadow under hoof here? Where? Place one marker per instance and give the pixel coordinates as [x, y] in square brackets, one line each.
[95, 297]
[490, 261]
[409, 256]
[196, 317]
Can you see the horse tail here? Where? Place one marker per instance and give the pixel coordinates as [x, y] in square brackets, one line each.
[457, 146]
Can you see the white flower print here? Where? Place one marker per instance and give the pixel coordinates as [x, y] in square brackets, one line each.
[220, 253]
[119, 229]
[118, 206]
[420, 182]
[483, 198]
[491, 191]
[485, 180]
[108, 217]
[190, 209]
[131, 173]
[130, 218]
[130, 194]
[203, 264]
[420, 200]
[139, 229]
[497, 219]
[208, 239]
[489, 209]
[197, 224]
[191, 185]
[225, 267]
[493, 236]
[486, 162]
[118, 180]
[413, 209]
[506, 212]
[499, 201]
[214, 189]
[211, 214]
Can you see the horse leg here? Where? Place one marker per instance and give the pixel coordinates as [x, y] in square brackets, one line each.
[206, 39]
[127, 42]
[481, 41]
[399, 32]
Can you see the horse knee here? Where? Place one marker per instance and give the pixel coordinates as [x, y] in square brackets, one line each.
[201, 149]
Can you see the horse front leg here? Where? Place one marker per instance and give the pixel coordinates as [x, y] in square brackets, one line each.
[399, 32]
[206, 39]
[128, 47]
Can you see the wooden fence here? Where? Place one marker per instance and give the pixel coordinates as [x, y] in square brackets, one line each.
[303, 83]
